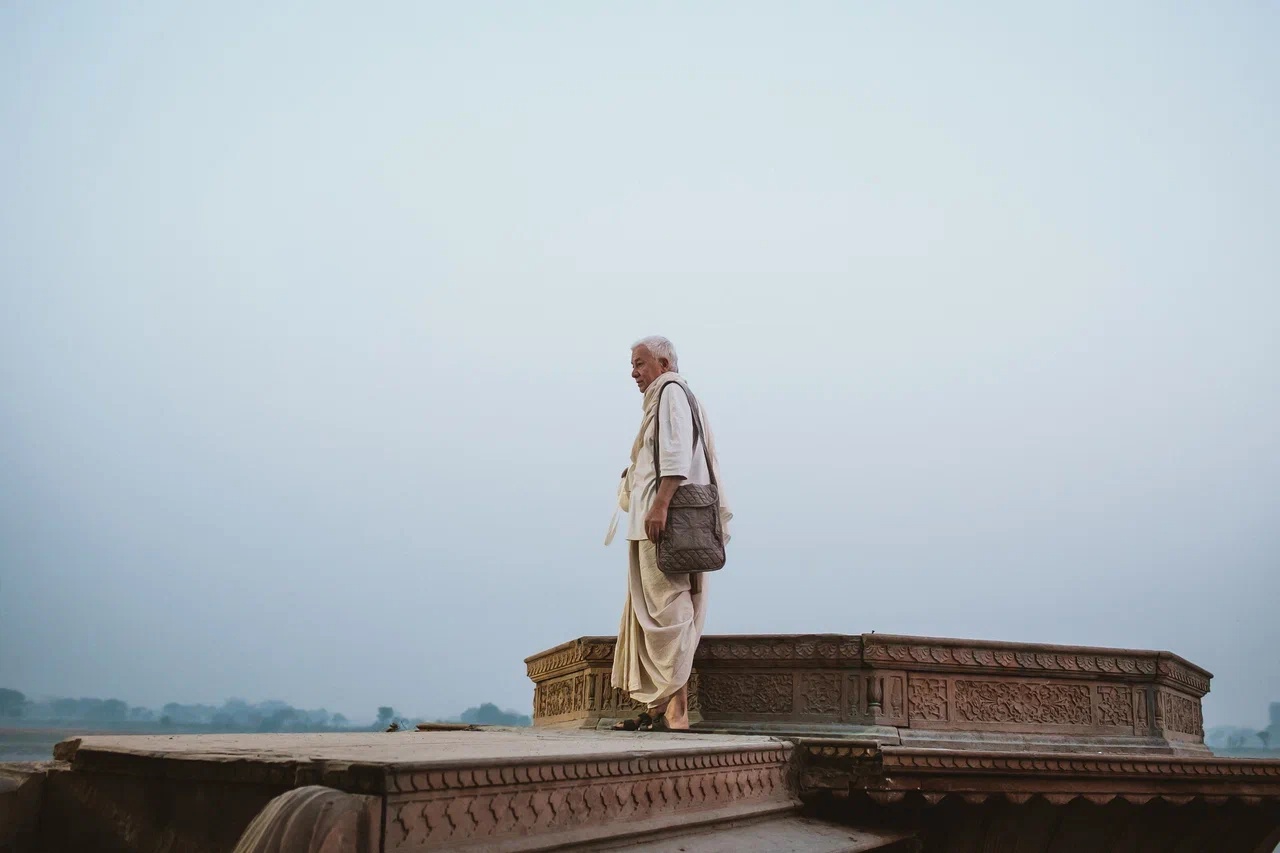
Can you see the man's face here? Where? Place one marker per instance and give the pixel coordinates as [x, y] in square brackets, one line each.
[645, 368]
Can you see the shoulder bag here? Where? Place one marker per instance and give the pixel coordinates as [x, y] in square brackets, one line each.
[693, 540]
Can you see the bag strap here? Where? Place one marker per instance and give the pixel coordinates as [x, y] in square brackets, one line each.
[697, 431]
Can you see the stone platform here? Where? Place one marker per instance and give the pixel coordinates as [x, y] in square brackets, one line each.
[967, 744]
[495, 789]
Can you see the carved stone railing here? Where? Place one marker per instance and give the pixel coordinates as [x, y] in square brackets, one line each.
[816, 682]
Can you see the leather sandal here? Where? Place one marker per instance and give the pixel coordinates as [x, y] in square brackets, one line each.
[640, 723]
[660, 725]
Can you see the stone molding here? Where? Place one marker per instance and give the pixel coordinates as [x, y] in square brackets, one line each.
[348, 776]
[496, 806]
[788, 650]
[567, 655]
[890, 774]
[932, 653]
[517, 771]
[957, 761]
[910, 653]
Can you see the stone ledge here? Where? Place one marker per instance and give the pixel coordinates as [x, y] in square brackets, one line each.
[890, 774]
[498, 789]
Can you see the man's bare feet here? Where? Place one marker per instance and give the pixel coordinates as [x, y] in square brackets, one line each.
[662, 724]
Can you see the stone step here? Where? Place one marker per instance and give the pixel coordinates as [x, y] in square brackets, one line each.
[787, 834]
[1057, 743]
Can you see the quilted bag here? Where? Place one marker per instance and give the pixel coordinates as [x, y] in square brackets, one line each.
[693, 540]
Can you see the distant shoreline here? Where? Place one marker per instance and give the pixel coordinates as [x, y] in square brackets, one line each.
[36, 742]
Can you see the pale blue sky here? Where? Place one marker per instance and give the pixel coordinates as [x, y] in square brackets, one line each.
[314, 325]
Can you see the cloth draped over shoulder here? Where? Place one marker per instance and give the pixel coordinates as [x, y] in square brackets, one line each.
[628, 485]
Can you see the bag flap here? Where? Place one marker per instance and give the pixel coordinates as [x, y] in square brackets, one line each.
[691, 495]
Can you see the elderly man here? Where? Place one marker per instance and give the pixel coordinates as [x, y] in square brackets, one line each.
[662, 619]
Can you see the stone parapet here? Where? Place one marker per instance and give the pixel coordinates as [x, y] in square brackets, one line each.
[898, 687]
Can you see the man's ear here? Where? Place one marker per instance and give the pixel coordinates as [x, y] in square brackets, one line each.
[666, 363]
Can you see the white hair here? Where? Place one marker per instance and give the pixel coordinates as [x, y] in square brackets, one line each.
[659, 347]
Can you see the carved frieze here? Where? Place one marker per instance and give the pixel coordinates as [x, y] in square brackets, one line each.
[562, 696]
[613, 700]
[1115, 705]
[488, 805]
[746, 692]
[1182, 714]
[1022, 702]
[927, 699]
[820, 693]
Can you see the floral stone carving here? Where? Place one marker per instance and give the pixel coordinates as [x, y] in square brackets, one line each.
[1115, 706]
[1022, 702]
[927, 699]
[746, 692]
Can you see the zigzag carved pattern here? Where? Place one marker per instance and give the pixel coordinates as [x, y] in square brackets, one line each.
[461, 816]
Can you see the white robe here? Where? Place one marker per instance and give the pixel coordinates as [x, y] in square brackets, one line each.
[660, 629]
[662, 618]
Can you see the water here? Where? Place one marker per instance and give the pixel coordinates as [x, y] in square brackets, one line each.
[30, 744]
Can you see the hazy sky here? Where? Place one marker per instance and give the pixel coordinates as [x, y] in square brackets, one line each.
[314, 330]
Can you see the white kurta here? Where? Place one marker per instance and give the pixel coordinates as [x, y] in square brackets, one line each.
[662, 619]
[677, 457]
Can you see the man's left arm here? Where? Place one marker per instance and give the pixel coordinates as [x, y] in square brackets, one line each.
[655, 523]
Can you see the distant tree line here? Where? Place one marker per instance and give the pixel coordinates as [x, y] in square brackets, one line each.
[232, 715]
[1237, 737]
[236, 715]
[488, 714]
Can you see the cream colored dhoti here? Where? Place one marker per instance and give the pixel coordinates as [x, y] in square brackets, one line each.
[661, 625]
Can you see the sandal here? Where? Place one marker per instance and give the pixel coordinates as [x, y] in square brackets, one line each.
[640, 723]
